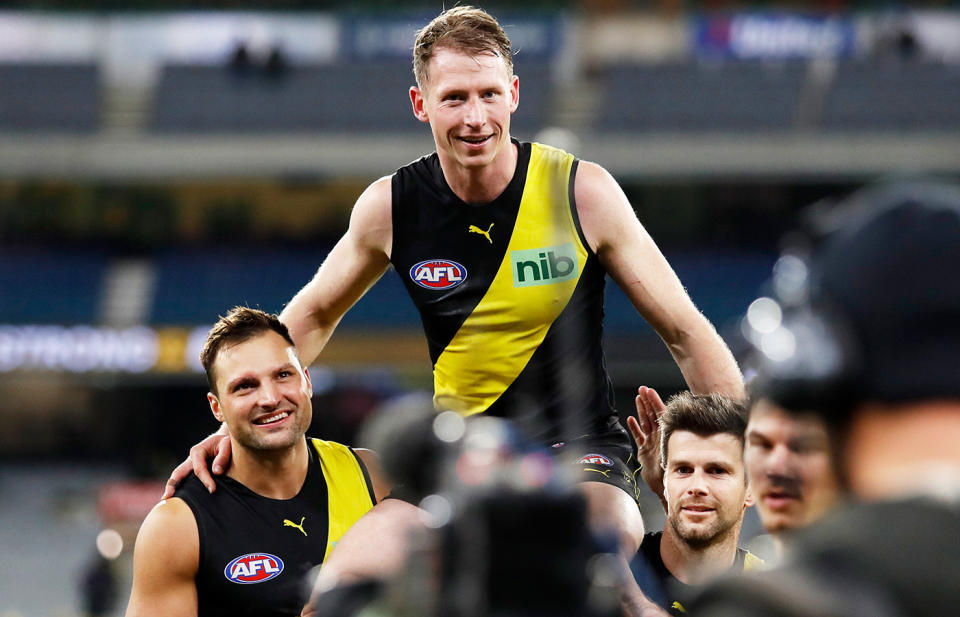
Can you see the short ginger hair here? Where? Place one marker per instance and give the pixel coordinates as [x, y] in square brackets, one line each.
[461, 28]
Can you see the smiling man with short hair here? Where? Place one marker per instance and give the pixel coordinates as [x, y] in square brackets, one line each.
[706, 494]
[247, 549]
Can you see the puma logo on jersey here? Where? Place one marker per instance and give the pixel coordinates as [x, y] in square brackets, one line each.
[476, 230]
[603, 472]
[289, 523]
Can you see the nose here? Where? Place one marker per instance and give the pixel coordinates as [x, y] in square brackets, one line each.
[698, 484]
[269, 395]
[476, 114]
[780, 461]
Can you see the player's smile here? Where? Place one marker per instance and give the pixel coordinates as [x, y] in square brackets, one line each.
[273, 418]
[468, 101]
[477, 141]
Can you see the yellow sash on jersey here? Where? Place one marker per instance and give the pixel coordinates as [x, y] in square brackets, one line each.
[497, 339]
[348, 497]
[752, 562]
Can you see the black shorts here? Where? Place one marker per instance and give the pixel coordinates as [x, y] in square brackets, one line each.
[606, 457]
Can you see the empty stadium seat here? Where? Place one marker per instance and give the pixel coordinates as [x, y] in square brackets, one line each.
[369, 97]
[898, 96]
[689, 97]
[47, 287]
[49, 98]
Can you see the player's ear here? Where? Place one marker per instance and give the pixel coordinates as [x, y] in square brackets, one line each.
[416, 101]
[309, 383]
[749, 500]
[514, 93]
[215, 406]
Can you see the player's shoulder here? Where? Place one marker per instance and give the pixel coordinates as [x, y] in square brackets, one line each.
[168, 543]
[379, 191]
[325, 446]
[192, 487]
[169, 519]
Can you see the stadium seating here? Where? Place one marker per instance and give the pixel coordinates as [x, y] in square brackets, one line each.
[47, 287]
[697, 98]
[893, 96]
[193, 287]
[49, 98]
[360, 97]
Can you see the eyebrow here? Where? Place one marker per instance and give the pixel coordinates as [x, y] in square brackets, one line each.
[252, 377]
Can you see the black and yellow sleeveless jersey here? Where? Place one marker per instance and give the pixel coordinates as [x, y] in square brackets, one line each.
[509, 293]
[671, 593]
[256, 552]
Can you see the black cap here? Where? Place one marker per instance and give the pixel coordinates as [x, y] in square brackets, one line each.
[892, 270]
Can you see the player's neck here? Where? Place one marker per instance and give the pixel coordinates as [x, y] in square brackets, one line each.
[698, 565]
[481, 184]
[277, 474]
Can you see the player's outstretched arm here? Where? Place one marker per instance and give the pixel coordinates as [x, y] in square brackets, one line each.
[357, 261]
[165, 562]
[635, 262]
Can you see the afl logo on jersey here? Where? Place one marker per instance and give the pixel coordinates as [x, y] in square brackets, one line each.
[595, 459]
[253, 568]
[438, 274]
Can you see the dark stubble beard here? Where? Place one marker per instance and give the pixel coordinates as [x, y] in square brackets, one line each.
[702, 537]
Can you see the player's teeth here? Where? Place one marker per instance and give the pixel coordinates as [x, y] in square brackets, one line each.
[279, 416]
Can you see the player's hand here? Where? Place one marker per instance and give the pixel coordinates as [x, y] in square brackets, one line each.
[216, 446]
[645, 429]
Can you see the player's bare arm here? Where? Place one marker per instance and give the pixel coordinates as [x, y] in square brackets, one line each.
[635, 262]
[378, 477]
[357, 261]
[352, 267]
[165, 562]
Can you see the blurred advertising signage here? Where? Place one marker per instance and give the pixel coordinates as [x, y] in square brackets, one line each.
[391, 38]
[121, 502]
[82, 349]
[773, 36]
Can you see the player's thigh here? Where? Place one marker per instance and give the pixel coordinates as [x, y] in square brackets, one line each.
[612, 510]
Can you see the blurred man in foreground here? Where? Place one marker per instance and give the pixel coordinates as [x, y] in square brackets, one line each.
[705, 492]
[791, 470]
[248, 548]
[872, 343]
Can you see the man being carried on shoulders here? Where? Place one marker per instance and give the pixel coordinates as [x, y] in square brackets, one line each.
[513, 316]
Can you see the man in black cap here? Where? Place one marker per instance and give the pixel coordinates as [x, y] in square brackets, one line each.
[870, 337]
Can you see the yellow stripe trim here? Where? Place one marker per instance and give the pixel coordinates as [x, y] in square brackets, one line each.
[348, 497]
[498, 338]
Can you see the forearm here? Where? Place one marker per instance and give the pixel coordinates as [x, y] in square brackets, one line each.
[308, 327]
[706, 362]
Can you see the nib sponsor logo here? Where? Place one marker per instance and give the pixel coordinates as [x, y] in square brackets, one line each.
[551, 264]
[438, 274]
[253, 568]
